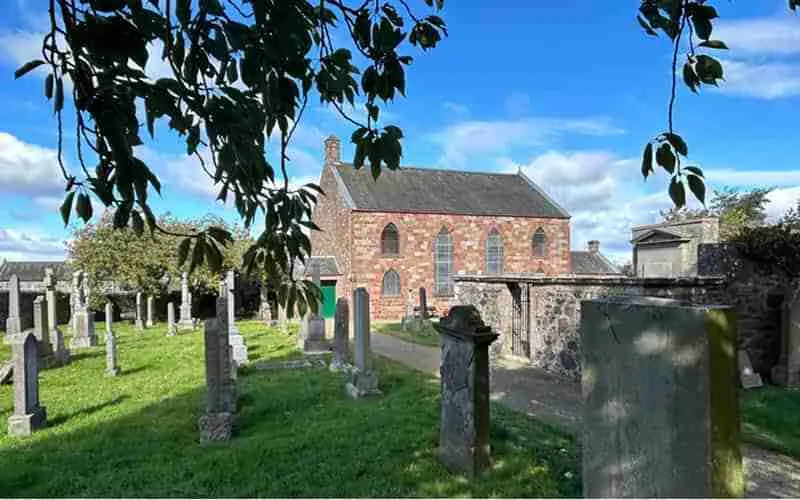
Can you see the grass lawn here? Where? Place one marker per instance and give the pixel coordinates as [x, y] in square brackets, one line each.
[771, 419]
[136, 435]
[427, 336]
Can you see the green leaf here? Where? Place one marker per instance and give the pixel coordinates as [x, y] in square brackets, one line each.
[694, 171]
[702, 27]
[646, 26]
[708, 69]
[58, 103]
[690, 77]
[137, 223]
[697, 187]
[48, 86]
[66, 207]
[713, 44]
[83, 207]
[27, 67]
[678, 143]
[183, 11]
[197, 255]
[677, 192]
[647, 160]
[666, 158]
[122, 214]
[183, 251]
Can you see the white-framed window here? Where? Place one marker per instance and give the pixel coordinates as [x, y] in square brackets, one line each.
[443, 263]
[391, 284]
[539, 243]
[494, 253]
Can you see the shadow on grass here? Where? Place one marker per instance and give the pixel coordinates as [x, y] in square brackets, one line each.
[86, 411]
[77, 356]
[297, 435]
[133, 371]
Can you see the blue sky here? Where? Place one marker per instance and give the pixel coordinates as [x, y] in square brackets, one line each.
[567, 90]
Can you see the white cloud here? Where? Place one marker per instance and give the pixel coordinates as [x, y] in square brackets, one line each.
[763, 80]
[731, 177]
[19, 46]
[455, 108]
[466, 139]
[28, 169]
[781, 200]
[17, 244]
[517, 104]
[761, 36]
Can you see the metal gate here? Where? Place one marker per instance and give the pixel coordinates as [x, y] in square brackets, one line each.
[520, 319]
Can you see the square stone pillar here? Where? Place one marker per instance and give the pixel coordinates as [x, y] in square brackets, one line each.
[660, 393]
[185, 321]
[363, 379]
[28, 415]
[235, 338]
[112, 370]
[216, 424]
[41, 331]
[139, 322]
[150, 312]
[172, 328]
[464, 427]
[14, 321]
[341, 334]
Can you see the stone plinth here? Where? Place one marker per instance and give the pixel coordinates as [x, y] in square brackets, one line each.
[464, 427]
[28, 415]
[112, 370]
[660, 390]
[363, 379]
[139, 321]
[311, 337]
[218, 421]
[84, 334]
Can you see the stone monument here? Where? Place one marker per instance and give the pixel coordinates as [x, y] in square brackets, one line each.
[112, 370]
[363, 379]
[787, 372]
[41, 331]
[150, 323]
[60, 353]
[660, 391]
[83, 334]
[74, 298]
[28, 415]
[747, 377]
[185, 322]
[464, 428]
[236, 340]
[311, 338]
[341, 334]
[14, 321]
[172, 328]
[139, 321]
[216, 424]
[264, 307]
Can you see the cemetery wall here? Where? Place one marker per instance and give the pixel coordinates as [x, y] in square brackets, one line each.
[26, 307]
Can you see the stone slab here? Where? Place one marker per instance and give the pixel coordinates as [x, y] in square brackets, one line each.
[747, 377]
[25, 425]
[362, 384]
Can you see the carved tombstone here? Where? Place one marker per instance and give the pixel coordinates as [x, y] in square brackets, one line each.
[185, 321]
[172, 328]
[235, 339]
[363, 379]
[139, 322]
[60, 353]
[41, 331]
[112, 369]
[83, 334]
[150, 312]
[28, 415]
[312, 333]
[341, 333]
[14, 321]
[216, 424]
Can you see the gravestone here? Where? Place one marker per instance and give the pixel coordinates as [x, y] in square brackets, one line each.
[83, 334]
[341, 333]
[172, 328]
[41, 331]
[311, 338]
[464, 427]
[786, 372]
[14, 321]
[282, 320]
[363, 379]
[28, 415]
[150, 323]
[423, 303]
[112, 370]
[74, 298]
[747, 377]
[216, 424]
[236, 340]
[60, 354]
[264, 308]
[185, 322]
[139, 321]
[661, 410]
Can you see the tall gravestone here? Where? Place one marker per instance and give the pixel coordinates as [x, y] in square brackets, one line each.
[139, 321]
[172, 328]
[28, 415]
[236, 340]
[464, 427]
[14, 321]
[150, 306]
[423, 303]
[112, 370]
[60, 353]
[216, 424]
[83, 334]
[41, 331]
[661, 412]
[74, 298]
[363, 379]
[341, 333]
[786, 372]
[312, 333]
[264, 307]
[185, 320]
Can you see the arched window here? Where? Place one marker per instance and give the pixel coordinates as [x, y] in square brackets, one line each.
[494, 253]
[390, 240]
[443, 263]
[539, 243]
[391, 284]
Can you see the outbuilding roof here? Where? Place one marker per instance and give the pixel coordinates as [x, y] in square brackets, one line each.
[34, 270]
[588, 262]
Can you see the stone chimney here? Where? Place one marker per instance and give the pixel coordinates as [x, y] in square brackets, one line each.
[333, 148]
[594, 246]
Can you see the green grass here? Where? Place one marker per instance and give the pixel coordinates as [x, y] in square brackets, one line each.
[428, 336]
[771, 419]
[135, 435]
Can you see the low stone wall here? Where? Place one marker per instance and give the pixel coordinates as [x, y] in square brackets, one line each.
[554, 308]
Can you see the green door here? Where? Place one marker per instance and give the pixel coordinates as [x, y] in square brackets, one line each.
[328, 299]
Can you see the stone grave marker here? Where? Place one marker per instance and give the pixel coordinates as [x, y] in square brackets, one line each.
[235, 338]
[464, 427]
[312, 332]
[172, 328]
[83, 334]
[660, 392]
[29, 415]
[747, 377]
[786, 372]
[341, 334]
[185, 322]
[216, 424]
[423, 303]
[150, 312]
[363, 379]
[41, 331]
[14, 321]
[60, 354]
[74, 298]
[139, 321]
[112, 370]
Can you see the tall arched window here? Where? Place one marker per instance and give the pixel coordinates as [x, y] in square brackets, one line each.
[390, 240]
[494, 253]
[539, 243]
[391, 284]
[443, 263]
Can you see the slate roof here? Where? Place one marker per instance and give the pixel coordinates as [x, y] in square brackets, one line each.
[34, 271]
[422, 190]
[671, 234]
[586, 262]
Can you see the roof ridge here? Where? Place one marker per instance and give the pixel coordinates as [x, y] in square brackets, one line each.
[437, 169]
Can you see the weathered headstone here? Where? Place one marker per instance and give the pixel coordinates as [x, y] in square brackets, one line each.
[185, 321]
[311, 338]
[264, 307]
[661, 412]
[139, 321]
[83, 334]
[236, 340]
[363, 379]
[172, 328]
[112, 369]
[60, 353]
[28, 415]
[14, 321]
[216, 424]
[786, 372]
[464, 427]
[747, 377]
[74, 298]
[423, 303]
[150, 306]
[41, 331]
[341, 334]
[282, 319]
